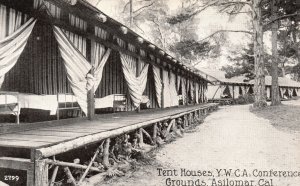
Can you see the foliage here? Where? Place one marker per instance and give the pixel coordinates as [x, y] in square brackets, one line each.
[245, 99]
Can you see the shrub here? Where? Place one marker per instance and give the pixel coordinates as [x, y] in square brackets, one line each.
[245, 99]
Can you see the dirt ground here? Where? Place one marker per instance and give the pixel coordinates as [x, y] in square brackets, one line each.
[230, 138]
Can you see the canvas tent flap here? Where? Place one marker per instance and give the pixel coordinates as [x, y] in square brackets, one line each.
[158, 84]
[136, 84]
[77, 67]
[12, 46]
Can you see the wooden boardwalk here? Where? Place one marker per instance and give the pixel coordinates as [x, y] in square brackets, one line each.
[29, 146]
[49, 135]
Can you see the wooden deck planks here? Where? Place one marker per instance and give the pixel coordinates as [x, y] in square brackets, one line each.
[21, 143]
[54, 134]
[33, 138]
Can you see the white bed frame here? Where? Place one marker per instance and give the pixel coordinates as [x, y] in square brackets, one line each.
[8, 108]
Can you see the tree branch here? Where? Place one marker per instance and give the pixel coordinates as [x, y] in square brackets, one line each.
[124, 9]
[220, 31]
[143, 7]
[282, 17]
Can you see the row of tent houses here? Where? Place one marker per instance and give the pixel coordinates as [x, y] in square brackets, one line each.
[233, 88]
[62, 56]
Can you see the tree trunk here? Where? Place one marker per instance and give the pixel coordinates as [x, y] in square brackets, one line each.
[295, 41]
[275, 98]
[283, 70]
[131, 13]
[259, 85]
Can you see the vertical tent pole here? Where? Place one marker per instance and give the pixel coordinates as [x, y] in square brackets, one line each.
[90, 94]
[163, 88]
[138, 67]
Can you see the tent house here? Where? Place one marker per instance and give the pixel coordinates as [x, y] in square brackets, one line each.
[288, 88]
[225, 88]
[62, 58]
[231, 88]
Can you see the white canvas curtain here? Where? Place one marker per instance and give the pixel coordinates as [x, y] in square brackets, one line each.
[12, 46]
[243, 90]
[158, 84]
[247, 88]
[297, 91]
[282, 91]
[183, 89]
[136, 85]
[173, 91]
[178, 82]
[166, 89]
[100, 56]
[191, 87]
[77, 68]
[231, 91]
[268, 91]
[205, 90]
[213, 92]
[236, 92]
[290, 92]
[197, 92]
[201, 93]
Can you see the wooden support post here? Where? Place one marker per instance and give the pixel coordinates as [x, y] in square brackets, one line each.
[54, 174]
[141, 136]
[162, 88]
[90, 94]
[187, 91]
[105, 160]
[138, 66]
[70, 176]
[41, 173]
[233, 92]
[90, 165]
[154, 133]
[72, 165]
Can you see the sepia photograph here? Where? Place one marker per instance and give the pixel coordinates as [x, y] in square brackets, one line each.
[149, 92]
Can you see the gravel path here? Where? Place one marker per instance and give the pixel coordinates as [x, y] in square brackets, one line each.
[231, 138]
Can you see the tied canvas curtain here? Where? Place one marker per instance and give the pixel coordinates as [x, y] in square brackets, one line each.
[178, 83]
[191, 87]
[205, 90]
[77, 68]
[236, 92]
[11, 47]
[268, 91]
[158, 84]
[290, 91]
[247, 88]
[197, 93]
[166, 90]
[100, 56]
[136, 85]
[183, 89]
[281, 92]
[243, 90]
[231, 91]
[173, 91]
[201, 97]
[297, 91]
[212, 92]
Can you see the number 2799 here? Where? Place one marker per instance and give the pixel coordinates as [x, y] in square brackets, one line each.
[11, 178]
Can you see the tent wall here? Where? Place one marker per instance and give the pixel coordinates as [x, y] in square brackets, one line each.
[40, 69]
[113, 82]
